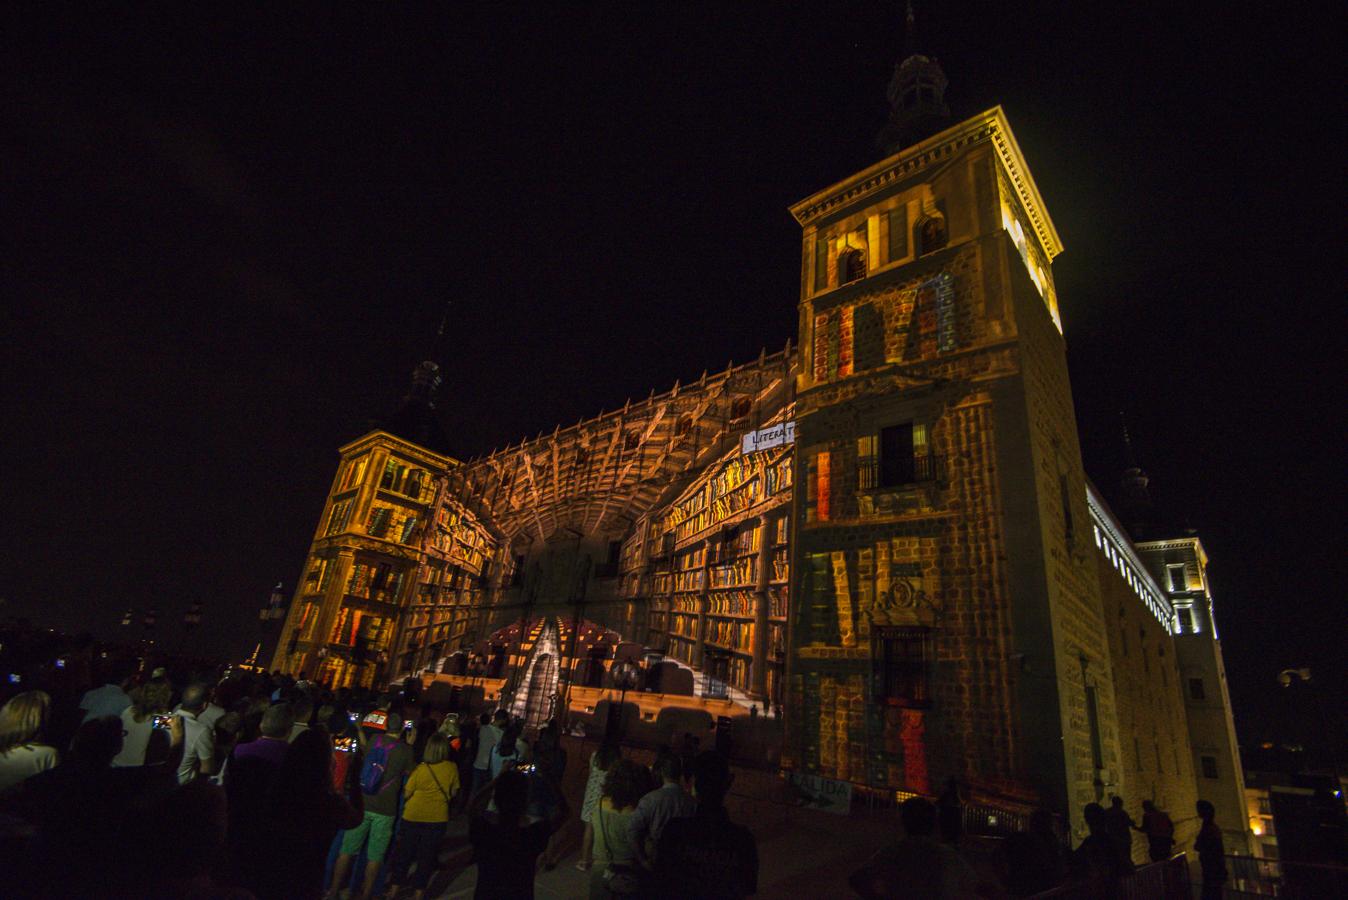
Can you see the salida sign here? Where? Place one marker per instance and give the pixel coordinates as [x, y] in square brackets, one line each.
[823, 793]
[767, 438]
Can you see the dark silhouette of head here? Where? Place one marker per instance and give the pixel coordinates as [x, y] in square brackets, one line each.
[1115, 801]
[1206, 811]
[500, 718]
[918, 817]
[277, 721]
[195, 696]
[668, 768]
[1095, 818]
[1148, 806]
[97, 742]
[511, 795]
[625, 784]
[711, 779]
[307, 766]
[302, 707]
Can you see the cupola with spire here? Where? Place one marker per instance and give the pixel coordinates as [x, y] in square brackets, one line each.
[917, 107]
[1134, 497]
[415, 419]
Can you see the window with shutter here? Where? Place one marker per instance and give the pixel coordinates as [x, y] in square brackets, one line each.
[898, 233]
[901, 656]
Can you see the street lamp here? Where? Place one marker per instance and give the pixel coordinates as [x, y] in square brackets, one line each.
[1286, 675]
[624, 674]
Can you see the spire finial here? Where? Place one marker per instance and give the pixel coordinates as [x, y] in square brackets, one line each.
[916, 93]
[1127, 441]
[1136, 503]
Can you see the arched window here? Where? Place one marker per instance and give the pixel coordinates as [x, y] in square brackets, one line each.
[631, 440]
[851, 266]
[932, 234]
[684, 427]
[739, 409]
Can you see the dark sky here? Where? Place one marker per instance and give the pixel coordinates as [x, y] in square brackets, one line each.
[228, 241]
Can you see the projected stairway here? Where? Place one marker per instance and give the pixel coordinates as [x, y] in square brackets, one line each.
[533, 702]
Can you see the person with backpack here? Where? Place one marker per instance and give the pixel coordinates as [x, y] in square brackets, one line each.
[1160, 832]
[428, 795]
[388, 759]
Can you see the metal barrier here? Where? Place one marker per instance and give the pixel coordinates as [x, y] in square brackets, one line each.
[1166, 880]
[1249, 876]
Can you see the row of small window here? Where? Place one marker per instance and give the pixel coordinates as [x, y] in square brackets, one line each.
[844, 258]
[382, 523]
[398, 477]
[1135, 581]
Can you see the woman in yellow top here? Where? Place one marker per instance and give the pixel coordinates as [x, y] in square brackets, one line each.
[426, 799]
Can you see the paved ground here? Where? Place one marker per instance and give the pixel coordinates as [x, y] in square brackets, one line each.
[802, 852]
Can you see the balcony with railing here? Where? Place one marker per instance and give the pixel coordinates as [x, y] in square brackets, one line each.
[878, 474]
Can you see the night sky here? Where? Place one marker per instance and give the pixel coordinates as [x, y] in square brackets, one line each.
[228, 242]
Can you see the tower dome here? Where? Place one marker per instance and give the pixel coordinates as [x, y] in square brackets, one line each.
[917, 107]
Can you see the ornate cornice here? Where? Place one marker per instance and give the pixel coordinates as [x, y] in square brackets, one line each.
[990, 126]
[380, 438]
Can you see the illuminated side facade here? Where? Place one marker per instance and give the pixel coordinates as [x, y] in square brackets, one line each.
[1156, 760]
[1180, 565]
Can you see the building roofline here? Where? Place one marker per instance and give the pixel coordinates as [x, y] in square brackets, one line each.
[1104, 517]
[990, 125]
[1178, 541]
[380, 436]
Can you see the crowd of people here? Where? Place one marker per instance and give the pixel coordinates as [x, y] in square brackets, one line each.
[928, 861]
[239, 784]
[201, 781]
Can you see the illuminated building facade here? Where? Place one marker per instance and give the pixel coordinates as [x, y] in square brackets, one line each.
[885, 531]
[397, 567]
[1180, 564]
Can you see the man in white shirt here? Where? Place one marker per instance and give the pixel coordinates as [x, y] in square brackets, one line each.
[487, 739]
[302, 707]
[108, 700]
[198, 737]
[209, 716]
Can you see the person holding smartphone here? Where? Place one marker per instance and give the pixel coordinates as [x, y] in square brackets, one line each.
[138, 721]
[386, 761]
[505, 848]
[428, 794]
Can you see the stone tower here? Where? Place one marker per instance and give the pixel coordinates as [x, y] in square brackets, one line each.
[359, 588]
[946, 616]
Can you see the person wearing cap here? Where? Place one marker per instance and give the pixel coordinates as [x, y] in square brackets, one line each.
[382, 736]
